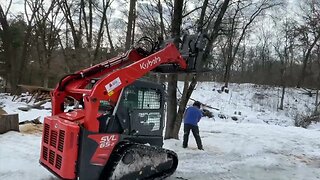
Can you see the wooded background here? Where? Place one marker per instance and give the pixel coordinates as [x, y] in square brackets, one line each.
[269, 42]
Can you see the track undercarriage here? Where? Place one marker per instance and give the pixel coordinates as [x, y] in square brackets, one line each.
[137, 161]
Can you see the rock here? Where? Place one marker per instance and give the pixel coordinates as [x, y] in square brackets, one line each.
[234, 118]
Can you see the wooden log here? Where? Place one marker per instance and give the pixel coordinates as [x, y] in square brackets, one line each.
[37, 105]
[9, 122]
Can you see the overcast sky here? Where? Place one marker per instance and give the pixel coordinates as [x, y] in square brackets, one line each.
[263, 24]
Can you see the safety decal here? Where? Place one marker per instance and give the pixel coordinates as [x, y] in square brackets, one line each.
[113, 84]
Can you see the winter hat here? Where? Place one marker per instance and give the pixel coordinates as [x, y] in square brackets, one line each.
[197, 103]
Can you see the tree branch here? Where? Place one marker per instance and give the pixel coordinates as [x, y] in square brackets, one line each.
[7, 11]
[190, 12]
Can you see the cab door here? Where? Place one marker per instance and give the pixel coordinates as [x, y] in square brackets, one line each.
[145, 111]
[141, 108]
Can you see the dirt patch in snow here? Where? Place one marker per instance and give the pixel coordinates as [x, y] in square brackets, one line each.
[31, 128]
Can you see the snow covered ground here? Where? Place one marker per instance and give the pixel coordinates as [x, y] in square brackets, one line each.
[262, 144]
[250, 151]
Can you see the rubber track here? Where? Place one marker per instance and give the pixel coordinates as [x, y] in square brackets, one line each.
[123, 148]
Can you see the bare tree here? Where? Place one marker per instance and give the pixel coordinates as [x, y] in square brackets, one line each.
[105, 6]
[17, 50]
[69, 9]
[239, 22]
[47, 26]
[309, 33]
[163, 33]
[264, 49]
[148, 22]
[174, 121]
[112, 49]
[86, 21]
[283, 56]
[7, 46]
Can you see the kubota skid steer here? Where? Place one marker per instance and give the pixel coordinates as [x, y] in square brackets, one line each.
[117, 132]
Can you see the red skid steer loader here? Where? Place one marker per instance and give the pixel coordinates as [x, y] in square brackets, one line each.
[117, 131]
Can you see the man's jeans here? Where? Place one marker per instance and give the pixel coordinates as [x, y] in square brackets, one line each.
[195, 132]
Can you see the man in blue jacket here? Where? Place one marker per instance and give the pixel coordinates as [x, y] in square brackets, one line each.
[191, 117]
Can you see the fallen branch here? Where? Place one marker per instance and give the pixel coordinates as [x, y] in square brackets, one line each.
[206, 105]
[37, 105]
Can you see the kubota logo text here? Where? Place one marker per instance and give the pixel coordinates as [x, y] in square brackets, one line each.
[146, 65]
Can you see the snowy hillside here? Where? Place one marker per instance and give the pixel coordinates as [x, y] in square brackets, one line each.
[254, 103]
[261, 144]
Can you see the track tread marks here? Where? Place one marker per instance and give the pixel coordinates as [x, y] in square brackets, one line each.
[125, 147]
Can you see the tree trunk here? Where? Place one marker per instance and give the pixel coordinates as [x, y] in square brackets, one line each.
[226, 76]
[68, 15]
[202, 15]
[173, 78]
[9, 122]
[131, 18]
[25, 52]
[162, 28]
[318, 87]
[282, 74]
[90, 25]
[109, 37]
[182, 104]
[317, 102]
[100, 33]
[282, 97]
[9, 52]
[46, 74]
[171, 105]
[216, 28]
[187, 91]
[13, 72]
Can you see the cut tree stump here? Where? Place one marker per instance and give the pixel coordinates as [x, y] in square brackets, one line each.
[9, 122]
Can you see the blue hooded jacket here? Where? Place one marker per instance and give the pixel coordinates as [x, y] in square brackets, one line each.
[192, 115]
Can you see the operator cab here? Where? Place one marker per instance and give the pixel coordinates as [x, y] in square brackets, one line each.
[139, 113]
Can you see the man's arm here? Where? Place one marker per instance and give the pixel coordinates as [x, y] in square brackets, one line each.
[184, 114]
[201, 114]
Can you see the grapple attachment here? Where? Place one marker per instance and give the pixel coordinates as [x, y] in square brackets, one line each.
[192, 48]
